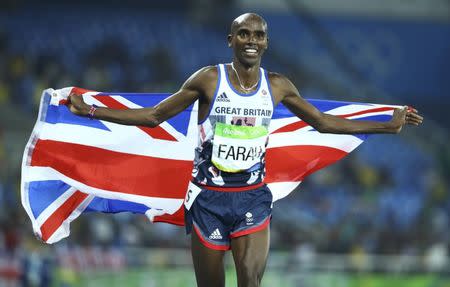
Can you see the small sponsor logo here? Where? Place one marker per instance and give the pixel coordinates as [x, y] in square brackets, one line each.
[223, 98]
[265, 97]
[216, 234]
[249, 218]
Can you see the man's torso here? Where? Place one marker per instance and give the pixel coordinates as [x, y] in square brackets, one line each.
[233, 132]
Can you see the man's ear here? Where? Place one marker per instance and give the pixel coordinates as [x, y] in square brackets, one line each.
[229, 38]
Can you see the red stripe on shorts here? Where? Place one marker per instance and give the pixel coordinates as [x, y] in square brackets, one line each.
[209, 244]
[251, 230]
[231, 189]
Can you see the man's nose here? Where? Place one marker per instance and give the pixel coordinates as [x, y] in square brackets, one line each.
[252, 39]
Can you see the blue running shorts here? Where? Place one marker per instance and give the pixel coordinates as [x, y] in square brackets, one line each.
[224, 213]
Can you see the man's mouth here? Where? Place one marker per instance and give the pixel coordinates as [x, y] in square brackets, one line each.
[251, 51]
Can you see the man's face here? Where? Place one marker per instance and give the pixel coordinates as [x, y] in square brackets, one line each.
[249, 41]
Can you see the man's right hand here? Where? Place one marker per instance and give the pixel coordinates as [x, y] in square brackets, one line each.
[77, 105]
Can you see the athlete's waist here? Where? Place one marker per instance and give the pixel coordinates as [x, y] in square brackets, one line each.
[228, 189]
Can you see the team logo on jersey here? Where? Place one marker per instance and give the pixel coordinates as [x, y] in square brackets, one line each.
[265, 97]
[249, 218]
[223, 98]
[215, 234]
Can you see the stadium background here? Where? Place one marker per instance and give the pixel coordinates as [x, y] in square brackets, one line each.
[378, 218]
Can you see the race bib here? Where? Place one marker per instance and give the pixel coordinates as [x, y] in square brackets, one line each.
[192, 192]
[238, 148]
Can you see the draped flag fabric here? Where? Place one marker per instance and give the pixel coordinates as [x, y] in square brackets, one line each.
[73, 164]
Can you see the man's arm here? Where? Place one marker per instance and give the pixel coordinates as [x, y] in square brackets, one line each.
[286, 93]
[192, 90]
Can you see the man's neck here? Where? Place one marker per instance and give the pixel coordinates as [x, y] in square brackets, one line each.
[245, 67]
[248, 74]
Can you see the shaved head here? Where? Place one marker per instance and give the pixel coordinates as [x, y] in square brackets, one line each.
[247, 17]
[248, 39]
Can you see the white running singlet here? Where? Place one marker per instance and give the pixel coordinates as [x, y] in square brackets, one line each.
[233, 137]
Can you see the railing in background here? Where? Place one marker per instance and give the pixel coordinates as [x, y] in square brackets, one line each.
[97, 266]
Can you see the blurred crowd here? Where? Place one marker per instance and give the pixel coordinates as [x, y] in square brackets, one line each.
[390, 197]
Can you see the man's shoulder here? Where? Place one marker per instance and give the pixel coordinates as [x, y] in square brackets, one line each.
[203, 80]
[210, 68]
[207, 73]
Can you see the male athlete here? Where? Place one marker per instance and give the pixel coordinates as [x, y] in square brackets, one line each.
[228, 206]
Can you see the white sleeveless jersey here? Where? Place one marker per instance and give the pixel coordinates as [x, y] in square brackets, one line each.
[233, 137]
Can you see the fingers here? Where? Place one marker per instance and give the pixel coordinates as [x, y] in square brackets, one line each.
[75, 98]
[75, 95]
[400, 112]
[411, 115]
[413, 118]
[411, 109]
[71, 97]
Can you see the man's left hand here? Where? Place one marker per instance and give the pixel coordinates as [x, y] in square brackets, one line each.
[407, 115]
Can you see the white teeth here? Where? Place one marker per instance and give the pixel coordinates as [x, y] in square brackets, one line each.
[250, 50]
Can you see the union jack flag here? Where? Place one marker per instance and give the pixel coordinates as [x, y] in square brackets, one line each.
[72, 164]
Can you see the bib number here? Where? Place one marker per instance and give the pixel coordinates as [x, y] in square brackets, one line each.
[238, 148]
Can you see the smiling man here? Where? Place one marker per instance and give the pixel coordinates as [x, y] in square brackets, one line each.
[227, 205]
